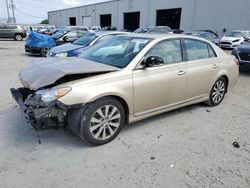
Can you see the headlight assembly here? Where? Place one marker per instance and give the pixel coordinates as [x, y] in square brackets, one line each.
[236, 40]
[61, 55]
[48, 95]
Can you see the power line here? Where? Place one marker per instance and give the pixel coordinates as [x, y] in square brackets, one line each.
[29, 14]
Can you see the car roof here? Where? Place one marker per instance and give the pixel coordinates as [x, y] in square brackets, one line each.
[196, 32]
[242, 31]
[165, 36]
[100, 33]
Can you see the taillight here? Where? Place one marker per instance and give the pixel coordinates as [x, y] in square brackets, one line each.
[237, 61]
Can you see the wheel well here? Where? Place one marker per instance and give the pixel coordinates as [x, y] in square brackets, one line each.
[227, 81]
[124, 104]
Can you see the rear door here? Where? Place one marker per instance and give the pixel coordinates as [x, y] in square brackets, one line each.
[3, 33]
[203, 67]
[11, 31]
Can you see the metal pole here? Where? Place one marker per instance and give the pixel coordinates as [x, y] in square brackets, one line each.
[13, 11]
[7, 6]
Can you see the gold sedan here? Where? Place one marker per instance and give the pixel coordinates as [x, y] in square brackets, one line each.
[122, 80]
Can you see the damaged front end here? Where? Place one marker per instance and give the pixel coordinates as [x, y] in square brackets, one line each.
[41, 108]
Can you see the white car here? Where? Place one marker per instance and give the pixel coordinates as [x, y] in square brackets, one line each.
[234, 39]
[95, 28]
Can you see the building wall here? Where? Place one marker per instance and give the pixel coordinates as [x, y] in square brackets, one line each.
[196, 14]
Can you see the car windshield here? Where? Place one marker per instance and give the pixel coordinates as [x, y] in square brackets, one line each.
[117, 51]
[235, 34]
[85, 39]
[141, 30]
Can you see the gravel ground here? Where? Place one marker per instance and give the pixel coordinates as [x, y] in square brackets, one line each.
[189, 147]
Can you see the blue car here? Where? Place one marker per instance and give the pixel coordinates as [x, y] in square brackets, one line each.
[37, 43]
[74, 48]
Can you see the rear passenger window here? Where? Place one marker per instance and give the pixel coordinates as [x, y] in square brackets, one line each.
[198, 50]
[169, 50]
[211, 52]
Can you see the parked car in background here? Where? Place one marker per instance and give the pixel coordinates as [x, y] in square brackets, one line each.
[203, 34]
[76, 47]
[65, 29]
[153, 29]
[234, 39]
[177, 31]
[109, 28]
[39, 44]
[242, 53]
[122, 80]
[95, 28]
[13, 31]
[48, 30]
[69, 36]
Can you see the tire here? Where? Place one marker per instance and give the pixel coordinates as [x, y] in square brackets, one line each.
[18, 37]
[217, 92]
[44, 51]
[99, 122]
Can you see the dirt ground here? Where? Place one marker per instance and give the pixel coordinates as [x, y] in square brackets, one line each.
[189, 147]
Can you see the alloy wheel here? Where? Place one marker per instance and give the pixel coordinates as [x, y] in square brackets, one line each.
[45, 51]
[19, 37]
[218, 91]
[105, 122]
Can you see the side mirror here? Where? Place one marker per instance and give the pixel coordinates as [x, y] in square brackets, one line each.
[65, 38]
[153, 61]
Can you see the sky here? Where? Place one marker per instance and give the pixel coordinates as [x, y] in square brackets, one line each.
[34, 11]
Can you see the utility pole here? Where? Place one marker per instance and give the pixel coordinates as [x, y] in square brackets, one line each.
[13, 11]
[7, 6]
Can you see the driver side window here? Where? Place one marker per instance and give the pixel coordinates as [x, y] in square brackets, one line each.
[169, 50]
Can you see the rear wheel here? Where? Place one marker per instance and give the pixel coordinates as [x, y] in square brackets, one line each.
[45, 51]
[18, 37]
[101, 121]
[218, 92]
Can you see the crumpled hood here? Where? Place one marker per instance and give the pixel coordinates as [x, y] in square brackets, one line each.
[65, 48]
[44, 72]
[230, 39]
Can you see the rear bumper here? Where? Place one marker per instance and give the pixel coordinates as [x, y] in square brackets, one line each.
[33, 50]
[40, 117]
[244, 65]
[24, 35]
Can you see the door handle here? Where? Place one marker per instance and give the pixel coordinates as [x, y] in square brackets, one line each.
[215, 66]
[181, 72]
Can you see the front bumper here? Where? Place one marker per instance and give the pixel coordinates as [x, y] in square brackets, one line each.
[229, 45]
[33, 50]
[40, 117]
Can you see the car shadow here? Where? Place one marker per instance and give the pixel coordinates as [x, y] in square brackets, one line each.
[23, 133]
[245, 72]
[19, 132]
[163, 116]
[33, 55]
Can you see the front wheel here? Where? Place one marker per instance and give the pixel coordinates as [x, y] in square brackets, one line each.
[101, 121]
[218, 92]
[45, 51]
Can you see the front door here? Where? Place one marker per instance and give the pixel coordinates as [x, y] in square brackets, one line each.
[159, 87]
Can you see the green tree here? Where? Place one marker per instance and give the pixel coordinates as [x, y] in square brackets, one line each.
[45, 21]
